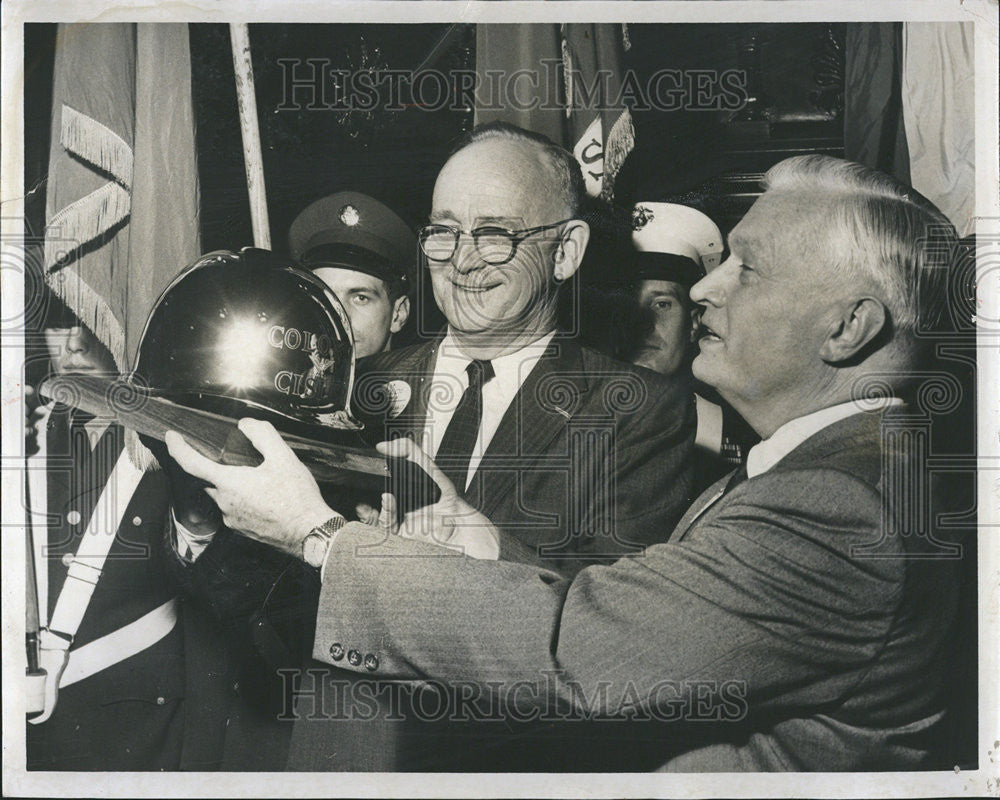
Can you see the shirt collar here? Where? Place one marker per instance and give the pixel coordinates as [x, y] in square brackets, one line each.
[779, 444]
[511, 368]
[94, 427]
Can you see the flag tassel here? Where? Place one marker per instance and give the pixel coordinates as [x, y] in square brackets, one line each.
[96, 143]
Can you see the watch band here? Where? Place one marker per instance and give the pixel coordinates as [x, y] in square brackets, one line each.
[317, 543]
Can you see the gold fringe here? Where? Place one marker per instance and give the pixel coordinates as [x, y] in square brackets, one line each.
[567, 64]
[96, 143]
[141, 456]
[84, 220]
[617, 145]
[92, 309]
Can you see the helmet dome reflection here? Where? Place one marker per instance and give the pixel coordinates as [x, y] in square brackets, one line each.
[249, 334]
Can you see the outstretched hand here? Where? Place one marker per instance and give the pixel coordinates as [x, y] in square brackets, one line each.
[451, 522]
[277, 502]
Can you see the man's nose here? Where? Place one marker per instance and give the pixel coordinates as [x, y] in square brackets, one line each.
[712, 288]
[466, 258]
[76, 342]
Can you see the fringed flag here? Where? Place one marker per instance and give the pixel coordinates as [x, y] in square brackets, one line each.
[122, 198]
[564, 81]
[600, 125]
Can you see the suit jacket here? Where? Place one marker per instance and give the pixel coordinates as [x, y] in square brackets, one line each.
[784, 626]
[161, 708]
[592, 460]
[590, 447]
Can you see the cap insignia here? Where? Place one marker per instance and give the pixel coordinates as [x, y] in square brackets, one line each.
[349, 216]
[641, 216]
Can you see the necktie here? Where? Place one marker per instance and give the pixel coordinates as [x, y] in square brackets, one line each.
[460, 436]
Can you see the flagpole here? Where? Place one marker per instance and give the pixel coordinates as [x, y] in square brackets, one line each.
[239, 34]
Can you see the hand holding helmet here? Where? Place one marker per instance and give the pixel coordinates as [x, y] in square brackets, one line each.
[249, 497]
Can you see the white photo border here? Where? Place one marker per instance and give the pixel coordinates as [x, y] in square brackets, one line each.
[984, 781]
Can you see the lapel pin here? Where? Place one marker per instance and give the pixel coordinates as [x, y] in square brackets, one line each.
[399, 397]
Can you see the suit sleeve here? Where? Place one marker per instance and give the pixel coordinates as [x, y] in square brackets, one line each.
[764, 601]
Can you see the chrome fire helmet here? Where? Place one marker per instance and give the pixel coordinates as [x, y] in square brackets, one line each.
[249, 334]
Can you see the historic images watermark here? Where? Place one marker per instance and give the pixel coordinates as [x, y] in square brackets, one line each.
[319, 694]
[318, 84]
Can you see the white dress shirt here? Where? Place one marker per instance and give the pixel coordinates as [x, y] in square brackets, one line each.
[770, 451]
[450, 380]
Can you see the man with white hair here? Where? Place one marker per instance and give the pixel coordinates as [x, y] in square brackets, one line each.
[794, 619]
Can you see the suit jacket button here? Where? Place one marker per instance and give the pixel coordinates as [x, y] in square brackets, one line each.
[336, 651]
[371, 662]
[354, 658]
[73, 517]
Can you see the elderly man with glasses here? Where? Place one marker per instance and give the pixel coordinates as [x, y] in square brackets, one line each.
[532, 429]
[537, 433]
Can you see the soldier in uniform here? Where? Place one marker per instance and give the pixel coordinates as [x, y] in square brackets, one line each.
[673, 247]
[252, 335]
[112, 639]
[363, 251]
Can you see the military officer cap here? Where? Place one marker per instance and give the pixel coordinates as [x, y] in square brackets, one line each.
[674, 243]
[350, 230]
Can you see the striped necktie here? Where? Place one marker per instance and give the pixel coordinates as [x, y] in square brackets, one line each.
[463, 429]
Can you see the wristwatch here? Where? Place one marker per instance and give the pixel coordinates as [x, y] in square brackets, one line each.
[316, 544]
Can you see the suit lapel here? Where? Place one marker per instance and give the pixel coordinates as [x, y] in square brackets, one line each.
[418, 374]
[415, 369]
[541, 410]
[858, 429]
[705, 501]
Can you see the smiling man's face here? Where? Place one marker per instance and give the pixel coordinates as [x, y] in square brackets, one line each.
[505, 184]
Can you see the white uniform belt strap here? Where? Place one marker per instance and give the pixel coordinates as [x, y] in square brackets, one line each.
[123, 643]
[88, 563]
[38, 489]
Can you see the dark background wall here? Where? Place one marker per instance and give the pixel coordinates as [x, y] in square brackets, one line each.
[793, 72]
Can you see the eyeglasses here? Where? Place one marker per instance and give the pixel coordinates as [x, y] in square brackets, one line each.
[495, 245]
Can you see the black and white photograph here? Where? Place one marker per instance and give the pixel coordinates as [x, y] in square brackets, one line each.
[501, 399]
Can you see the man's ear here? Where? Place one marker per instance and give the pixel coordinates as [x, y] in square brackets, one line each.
[569, 253]
[400, 313]
[862, 321]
